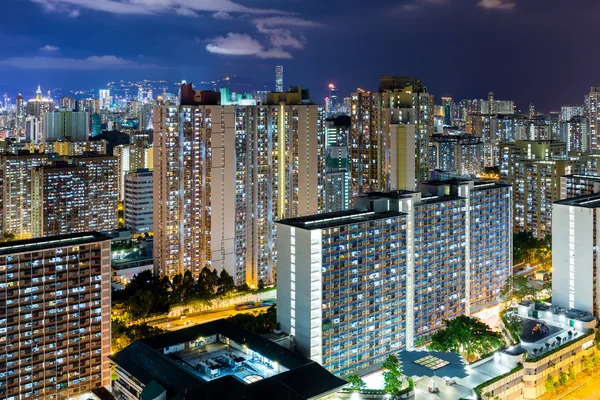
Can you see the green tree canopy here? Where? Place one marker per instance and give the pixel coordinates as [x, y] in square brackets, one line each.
[466, 335]
[549, 384]
[392, 376]
[518, 287]
[356, 383]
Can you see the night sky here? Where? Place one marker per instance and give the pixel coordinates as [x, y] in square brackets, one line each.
[540, 51]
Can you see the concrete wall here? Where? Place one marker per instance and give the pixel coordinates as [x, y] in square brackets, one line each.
[572, 257]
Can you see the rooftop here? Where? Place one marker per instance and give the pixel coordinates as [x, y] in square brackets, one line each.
[579, 176]
[587, 201]
[50, 242]
[338, 218]
[222, 360]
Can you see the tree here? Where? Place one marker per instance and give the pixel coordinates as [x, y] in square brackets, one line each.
[140, 304]
[596, 358]
[572, 373]
[563, 378]
[8, 237]
[356, 383]
[261, 323]
[466, 335]
[549, 384]
[392, 376]
[588, 365]
[226, 282]
[122, 335]
[597, 338]
[261, 284]
[527, 248]
[518, 287]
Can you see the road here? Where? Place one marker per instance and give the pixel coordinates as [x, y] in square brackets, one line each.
[590, 391]
[177, 323]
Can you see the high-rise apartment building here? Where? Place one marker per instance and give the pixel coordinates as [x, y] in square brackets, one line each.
[59, 199]
[568, 112]
[63, 124]
[576, 185]
[357, 285]
[535, 170]
[367, 143]
[102, 196]
[55, 297]
[67, 103]
[389, 136]
[460, 154]
[16, 194]
[69, 148]
[224, 174]
[138, 202]
[105, 99]
[409, 105]
[575, 239]
[33, 130]
[130, 158]
[575, 133]
[592, 103]
[511, 152]
[74, 197]
[279, 78]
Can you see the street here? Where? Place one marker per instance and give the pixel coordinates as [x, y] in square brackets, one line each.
[590, 390]
[586, 387]
[177, 323]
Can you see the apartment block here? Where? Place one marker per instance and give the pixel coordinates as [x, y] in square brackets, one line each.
[139, 198]
[224, 174]
[355, 286]
[574, 260]
[576, 185]
[389, 136]
[74, 197]
[55, 337]
[460, 154]
[16, 195]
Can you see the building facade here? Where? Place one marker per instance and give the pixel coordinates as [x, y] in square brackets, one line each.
[139, 199]
[355, 286]
[56, 325]
[16, 195]
[574, 260]
[65, 124]
[224, 174]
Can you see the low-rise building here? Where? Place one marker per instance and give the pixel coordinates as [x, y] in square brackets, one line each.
[217, 360]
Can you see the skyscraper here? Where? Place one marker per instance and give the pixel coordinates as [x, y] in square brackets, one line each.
[55, 322]
[334, 104]
[224, 174]
[593, 113]
[39, 106]
[105, 99]
[355, 286]
[279, 78]
[19, 112]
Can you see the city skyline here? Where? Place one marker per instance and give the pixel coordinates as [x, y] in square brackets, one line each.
[206, 40]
